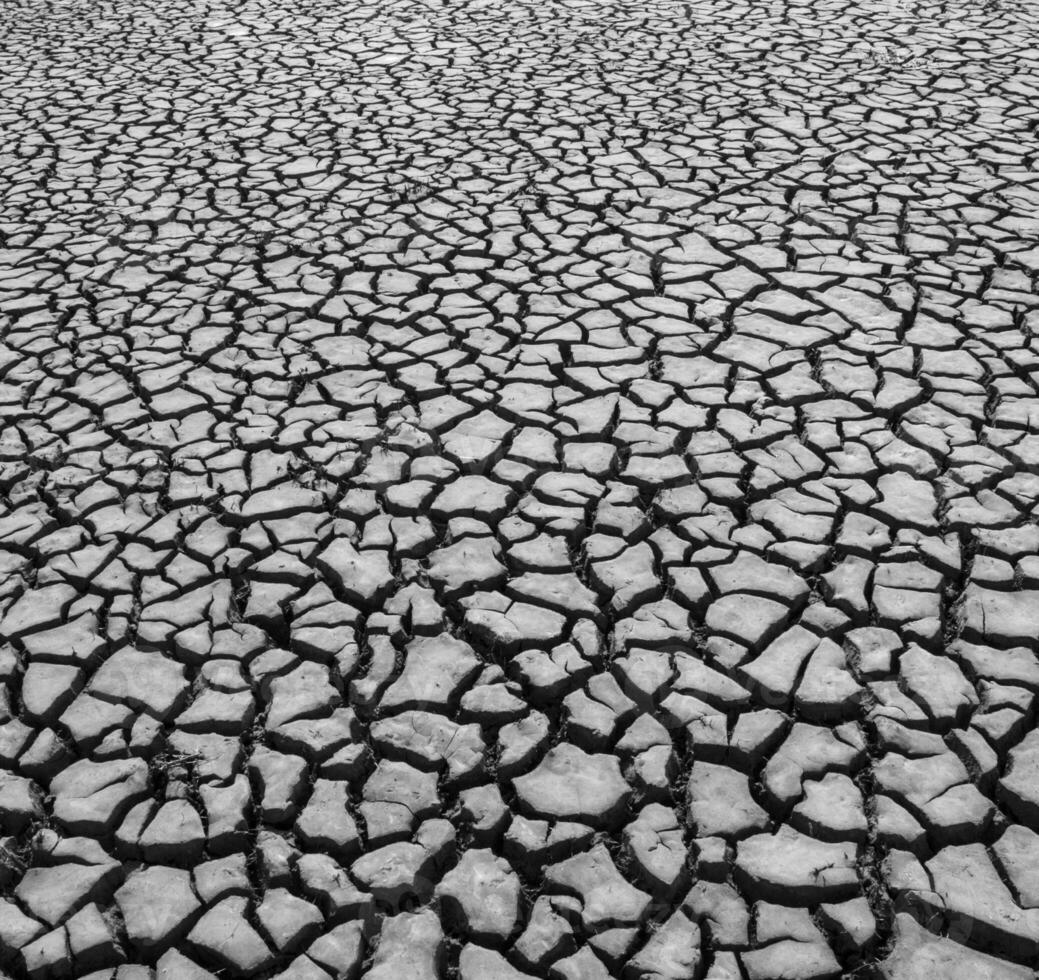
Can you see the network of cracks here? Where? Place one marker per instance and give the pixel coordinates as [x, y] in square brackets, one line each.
[496, 489]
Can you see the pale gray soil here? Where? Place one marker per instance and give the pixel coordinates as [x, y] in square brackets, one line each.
[519, 489]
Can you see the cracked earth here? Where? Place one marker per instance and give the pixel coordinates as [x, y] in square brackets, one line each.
[511, 489]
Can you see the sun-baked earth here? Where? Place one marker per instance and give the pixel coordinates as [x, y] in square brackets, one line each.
[503, 489]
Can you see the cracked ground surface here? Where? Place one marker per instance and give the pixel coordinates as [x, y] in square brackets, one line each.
[508, 489]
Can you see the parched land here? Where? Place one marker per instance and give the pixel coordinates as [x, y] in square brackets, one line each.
[519, 490]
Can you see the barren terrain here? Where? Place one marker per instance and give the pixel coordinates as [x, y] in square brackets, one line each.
[505, 489]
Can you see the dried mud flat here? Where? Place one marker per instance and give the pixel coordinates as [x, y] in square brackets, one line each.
[519, 490]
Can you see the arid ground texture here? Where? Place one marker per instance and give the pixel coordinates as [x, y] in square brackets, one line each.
[519, 490]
